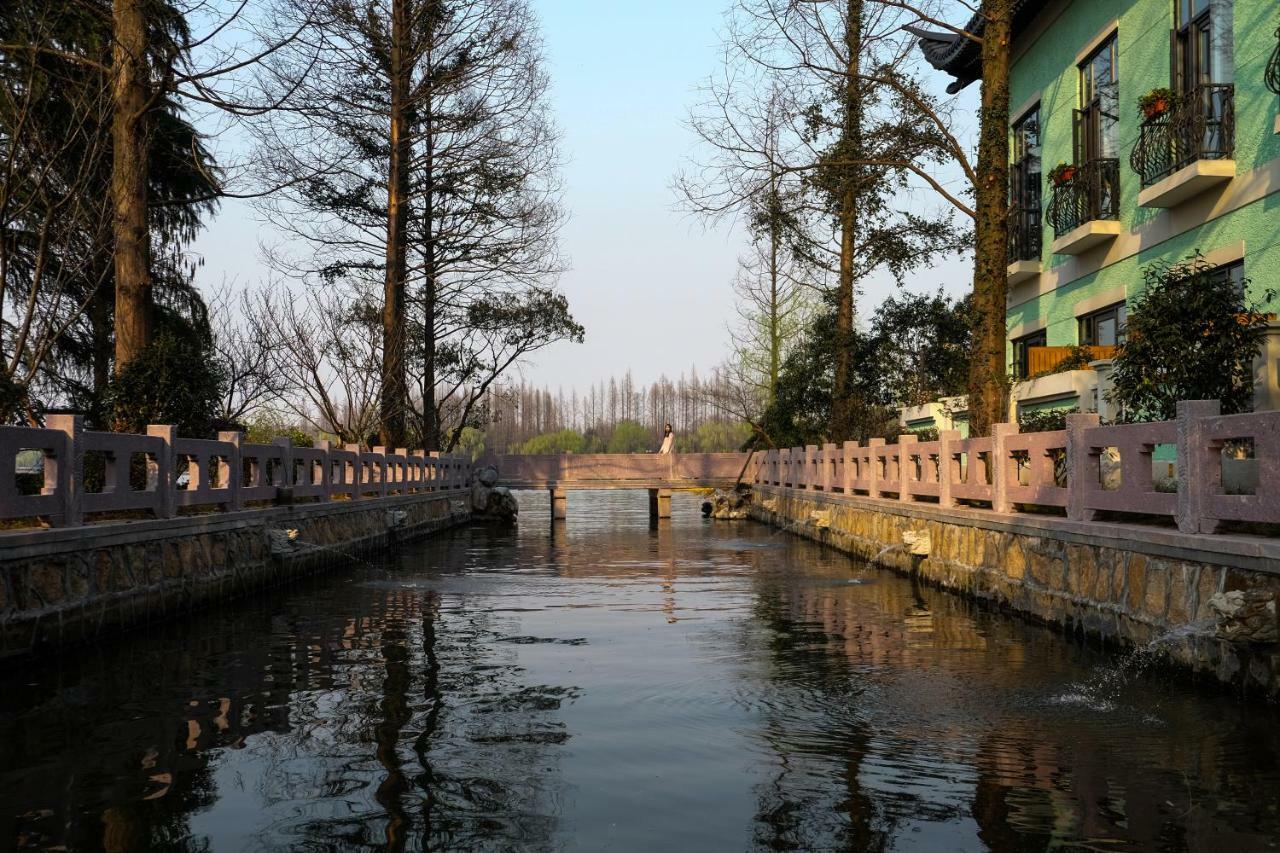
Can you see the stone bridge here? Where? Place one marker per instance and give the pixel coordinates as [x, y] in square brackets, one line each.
[660, 474]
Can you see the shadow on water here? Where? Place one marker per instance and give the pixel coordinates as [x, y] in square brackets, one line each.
[608, 683]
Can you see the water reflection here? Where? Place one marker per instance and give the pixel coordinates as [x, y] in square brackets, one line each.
[607, 683]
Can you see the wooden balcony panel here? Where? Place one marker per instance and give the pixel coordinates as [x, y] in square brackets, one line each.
[1046, 359]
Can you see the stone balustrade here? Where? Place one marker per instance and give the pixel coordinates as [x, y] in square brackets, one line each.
[1080, 471]
[227, 473]
[617, 470]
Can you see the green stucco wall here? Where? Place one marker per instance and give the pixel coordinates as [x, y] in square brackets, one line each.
[1048, 65]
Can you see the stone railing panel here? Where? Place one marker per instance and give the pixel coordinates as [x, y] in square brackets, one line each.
[309, 474]
[117, 452]
[55, 473]
[208, 467]
[1130, 487]
[922, 465]
[264, 471]
[970, 470]
[1241, 442]
[1031, 464]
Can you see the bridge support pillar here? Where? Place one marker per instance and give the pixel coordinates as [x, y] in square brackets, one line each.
[659, 503]
[559, 503]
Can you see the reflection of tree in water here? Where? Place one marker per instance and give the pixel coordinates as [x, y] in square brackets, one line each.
[812, 723]
[326, 703]
[109, 748]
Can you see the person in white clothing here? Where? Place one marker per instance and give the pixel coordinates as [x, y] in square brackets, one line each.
[668, 439]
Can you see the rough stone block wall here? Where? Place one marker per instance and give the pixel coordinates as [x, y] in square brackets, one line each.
[70, 585]
[1126, 589]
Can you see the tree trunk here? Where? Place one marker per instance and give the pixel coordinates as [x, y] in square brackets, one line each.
[394, 396]
[988, 388]
[430, 273]
[775, 320]
[842, 402]
[129, 174]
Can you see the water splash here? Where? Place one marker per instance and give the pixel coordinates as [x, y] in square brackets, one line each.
[1101, 692]
[887, 550]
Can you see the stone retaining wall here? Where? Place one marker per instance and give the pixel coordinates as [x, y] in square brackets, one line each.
[1127, 583]
[63, 586]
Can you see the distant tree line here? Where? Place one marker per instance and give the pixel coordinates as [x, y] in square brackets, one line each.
[611, 416]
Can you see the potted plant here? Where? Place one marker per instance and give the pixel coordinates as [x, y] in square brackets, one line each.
[1155, 103]
[1062, 174]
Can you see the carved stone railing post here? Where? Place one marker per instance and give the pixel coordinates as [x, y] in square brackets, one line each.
[873, 476]
[160, 473]
[1000, 466]
[906, 444]
[68, 473]
[1078, 462]
[230, 470]
[849, 448]
[1199, 466]
[947, 439]
[356, 474]
[286, 465]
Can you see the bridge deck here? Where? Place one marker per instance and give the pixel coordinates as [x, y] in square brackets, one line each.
[660, 474]
[605, 485]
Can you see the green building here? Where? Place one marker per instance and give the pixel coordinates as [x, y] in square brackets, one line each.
[1196, 170]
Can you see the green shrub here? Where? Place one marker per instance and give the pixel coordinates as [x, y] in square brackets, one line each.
[176, 380]
[1192, 335]
[1044, 420]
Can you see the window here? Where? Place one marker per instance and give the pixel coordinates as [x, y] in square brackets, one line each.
[1103, 328]
[1193, 46]
[1098, 119]
[1024, 189]
[1233, 272]
[1021, 356]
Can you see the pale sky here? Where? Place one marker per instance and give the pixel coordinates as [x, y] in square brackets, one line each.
[651, 285]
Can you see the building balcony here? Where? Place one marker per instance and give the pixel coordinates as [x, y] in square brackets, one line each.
[1084, 210]
[1045, 360]
[1024, 244]
[1188, 149]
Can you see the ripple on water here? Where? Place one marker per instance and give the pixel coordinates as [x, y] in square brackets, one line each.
[601, 684]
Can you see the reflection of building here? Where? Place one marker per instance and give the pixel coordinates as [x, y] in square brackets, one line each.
[1101, 188]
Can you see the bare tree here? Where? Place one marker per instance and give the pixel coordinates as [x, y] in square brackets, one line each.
[467, 175]
[324, 349]
[850, 132]
[245, 345]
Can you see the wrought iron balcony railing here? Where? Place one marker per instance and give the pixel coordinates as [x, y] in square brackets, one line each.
[1024, 234]
[1199, 125]
[1273, 67]
[1091, 193]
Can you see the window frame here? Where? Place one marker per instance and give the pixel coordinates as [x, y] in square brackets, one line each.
[1099, 130]
[1020, 345]
[1087, 324]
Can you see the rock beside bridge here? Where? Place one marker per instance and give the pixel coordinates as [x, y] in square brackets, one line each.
[730, 505]
[491, 501]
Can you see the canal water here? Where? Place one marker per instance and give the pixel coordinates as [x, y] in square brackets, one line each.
[607, 685]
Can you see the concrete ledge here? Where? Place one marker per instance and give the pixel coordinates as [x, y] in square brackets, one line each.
[1187, 182]
[1020, 271]
[1084, 237]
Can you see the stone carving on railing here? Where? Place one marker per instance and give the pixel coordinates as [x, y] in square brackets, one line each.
[1071, 470]
[162, 473]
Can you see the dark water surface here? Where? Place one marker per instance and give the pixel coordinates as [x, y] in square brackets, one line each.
[607, 686]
